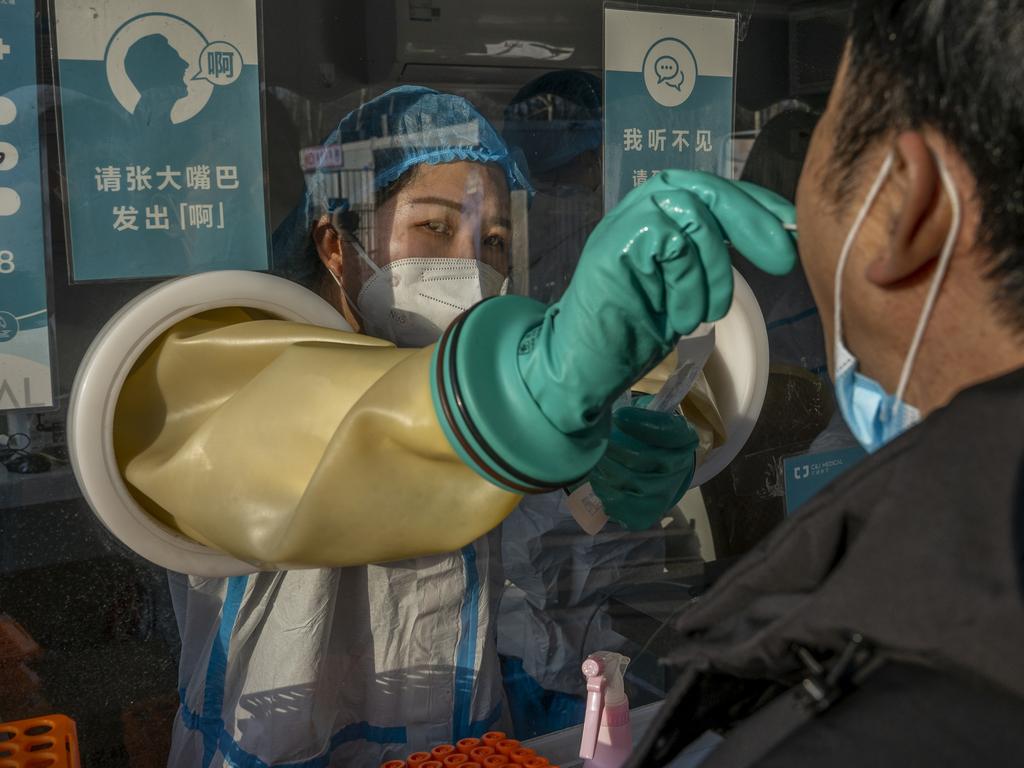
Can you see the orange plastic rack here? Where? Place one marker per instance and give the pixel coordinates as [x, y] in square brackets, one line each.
[492, 750]
[42, 742]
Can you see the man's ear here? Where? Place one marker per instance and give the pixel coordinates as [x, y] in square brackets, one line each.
[921, 219]
[328, 245]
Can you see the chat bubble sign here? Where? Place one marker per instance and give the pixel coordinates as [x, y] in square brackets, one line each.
[669, 71]
[666, 67]
[220, 63]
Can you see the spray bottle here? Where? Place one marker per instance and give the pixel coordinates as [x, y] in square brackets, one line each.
[607, 736]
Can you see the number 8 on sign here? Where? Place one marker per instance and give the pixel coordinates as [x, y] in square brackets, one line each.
[6, 262]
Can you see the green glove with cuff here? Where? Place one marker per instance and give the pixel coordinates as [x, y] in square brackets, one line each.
[524, 392]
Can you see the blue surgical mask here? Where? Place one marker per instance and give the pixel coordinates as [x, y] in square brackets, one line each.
[874, 416]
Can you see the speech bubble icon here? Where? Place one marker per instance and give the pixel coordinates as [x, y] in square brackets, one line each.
[220, 63]
[666, 67]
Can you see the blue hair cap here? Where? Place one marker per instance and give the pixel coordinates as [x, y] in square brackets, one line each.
[405, 127]
[411, 125]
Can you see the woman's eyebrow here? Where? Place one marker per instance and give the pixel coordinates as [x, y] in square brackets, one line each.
[501, 221]
[454, 204]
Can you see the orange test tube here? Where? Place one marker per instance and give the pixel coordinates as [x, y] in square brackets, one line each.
[522, 754]
[479, 753]
[507, 746]
[495, 760]
[491, 738]
[393, 764]
[441, 751]
[536, 762]
[456, 758]
[416, 759]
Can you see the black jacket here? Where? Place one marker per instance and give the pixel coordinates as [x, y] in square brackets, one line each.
[911, 565]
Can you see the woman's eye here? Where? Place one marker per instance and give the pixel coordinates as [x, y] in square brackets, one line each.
[494, 241]
[438, 227]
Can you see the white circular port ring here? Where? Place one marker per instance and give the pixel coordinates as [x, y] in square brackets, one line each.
[737, 372]
[103, 371]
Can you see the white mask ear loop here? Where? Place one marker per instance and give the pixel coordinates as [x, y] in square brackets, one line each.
[851, 237]
[940, 273]
[354, 242]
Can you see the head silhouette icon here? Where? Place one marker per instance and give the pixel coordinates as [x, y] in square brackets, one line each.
[158, 72]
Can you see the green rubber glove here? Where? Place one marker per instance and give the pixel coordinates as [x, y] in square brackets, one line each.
[647, 467]
[653, 269]
[523, 392]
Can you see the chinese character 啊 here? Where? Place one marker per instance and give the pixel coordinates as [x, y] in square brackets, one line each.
[220, 63]
[200, 215]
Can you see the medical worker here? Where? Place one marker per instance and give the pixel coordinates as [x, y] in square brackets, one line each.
[354, 665]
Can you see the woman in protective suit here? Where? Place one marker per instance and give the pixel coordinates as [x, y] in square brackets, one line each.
[316, 452]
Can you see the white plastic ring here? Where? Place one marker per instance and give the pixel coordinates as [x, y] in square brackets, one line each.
[103, 371]
[737, 373]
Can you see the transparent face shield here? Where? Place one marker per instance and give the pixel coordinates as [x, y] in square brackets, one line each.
[425, 248]
[555, 122]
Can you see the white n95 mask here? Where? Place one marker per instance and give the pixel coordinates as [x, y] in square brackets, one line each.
[412, 301]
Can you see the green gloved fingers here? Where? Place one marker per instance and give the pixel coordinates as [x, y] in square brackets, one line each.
[751, 217]
[647, 467]
[779, 206]
[655, 268]
[701, 182]
[702, 286]
[524, 392]
[660, 429]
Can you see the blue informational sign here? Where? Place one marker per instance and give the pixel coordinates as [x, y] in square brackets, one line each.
[808, 474]
[162, 136]
[668, 80]
[25, 355]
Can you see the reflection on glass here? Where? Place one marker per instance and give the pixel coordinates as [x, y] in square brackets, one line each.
[357, 665]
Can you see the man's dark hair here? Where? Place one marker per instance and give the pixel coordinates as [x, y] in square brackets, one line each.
[956, 66]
